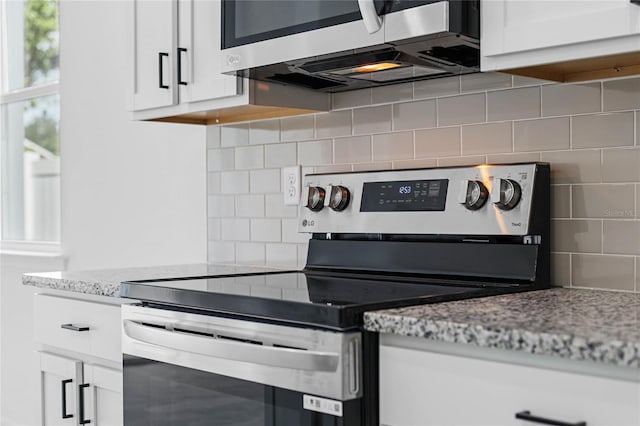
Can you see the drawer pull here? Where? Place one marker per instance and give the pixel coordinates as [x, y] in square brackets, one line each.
[81, 389]
[64, 399]
[526, 415]
[74, 327]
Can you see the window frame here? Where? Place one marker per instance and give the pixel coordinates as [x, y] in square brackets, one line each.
[20, 95]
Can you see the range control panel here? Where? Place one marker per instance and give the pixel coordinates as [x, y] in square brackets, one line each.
[478, 200]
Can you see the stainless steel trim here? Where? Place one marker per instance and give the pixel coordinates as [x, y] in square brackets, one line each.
[229, 349]
[455, 220]
[312, 361]
[372, 21]
[416, 22]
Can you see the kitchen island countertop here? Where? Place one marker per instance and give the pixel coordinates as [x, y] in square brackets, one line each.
[579, 324]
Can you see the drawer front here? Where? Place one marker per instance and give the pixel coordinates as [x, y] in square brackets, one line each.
[422, 388]
[80, 326]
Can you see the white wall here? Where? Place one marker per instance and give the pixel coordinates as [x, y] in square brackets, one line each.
[133, 194]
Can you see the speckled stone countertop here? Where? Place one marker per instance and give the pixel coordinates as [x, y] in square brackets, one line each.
[106, 282]
[601, 326]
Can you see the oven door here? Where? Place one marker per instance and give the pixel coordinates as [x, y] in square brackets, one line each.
[182, 368]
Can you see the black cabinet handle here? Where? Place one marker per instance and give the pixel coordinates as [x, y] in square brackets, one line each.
[73, 327]
[526, 415]
[81, 389]
[181, 50]
[64, 399]
[160, 68]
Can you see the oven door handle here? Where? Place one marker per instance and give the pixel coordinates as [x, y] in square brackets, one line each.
[298, 359]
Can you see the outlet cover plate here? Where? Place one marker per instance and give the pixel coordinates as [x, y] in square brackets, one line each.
[291, 185]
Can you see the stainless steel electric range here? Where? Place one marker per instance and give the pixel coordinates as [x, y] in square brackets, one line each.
[287, 348]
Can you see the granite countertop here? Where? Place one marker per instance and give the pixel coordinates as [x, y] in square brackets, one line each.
[106, 282]
[595, 325]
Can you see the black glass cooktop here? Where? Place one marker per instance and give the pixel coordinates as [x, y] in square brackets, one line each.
[335, 301]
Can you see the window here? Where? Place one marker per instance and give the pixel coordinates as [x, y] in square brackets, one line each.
[29, 121]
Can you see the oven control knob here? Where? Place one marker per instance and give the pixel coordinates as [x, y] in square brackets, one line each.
[315, 198]
[505, 193]
[473, 194]
[339, 197]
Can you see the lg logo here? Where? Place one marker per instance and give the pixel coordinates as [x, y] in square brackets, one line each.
[233, 59]
[306, 222]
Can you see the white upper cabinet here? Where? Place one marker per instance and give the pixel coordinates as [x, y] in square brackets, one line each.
[154, 47]
[199, 45]
[582, 39]
[176, 53]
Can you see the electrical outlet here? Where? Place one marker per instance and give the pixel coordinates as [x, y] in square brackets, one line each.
[291, 185]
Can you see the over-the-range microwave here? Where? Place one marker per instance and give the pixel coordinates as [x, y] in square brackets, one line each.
[338, 45]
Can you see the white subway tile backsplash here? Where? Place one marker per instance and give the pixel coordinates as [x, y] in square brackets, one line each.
[602, 130]
[437, 142]
[298, 128]
[493, 118]
[336, 123]
[220, 159]
[265, 131]
[220, 206]
[365, 167]
[315, 152]
[415, 164]
[541, 135]
[235, 229]
[392, 93]
[513, 104]
[608, 272]
[268, 230]
[234, 135]
[564, 99]
[250, 205]
[234, 182]
[621, 165]
[606, 201]
[471, 160]
[213, 182]
[372, 120]
[464, 109]
[250, 253]
[483, 81]
[280, 155]
[249, 157]
[274, 207]
[265, 181]
[487, 138]
[583, 236]
[354, 98]
[290, 232]
[621, 94]
[414, 115]
[574, 166]
[356, 149]
[436, 87]
[393, 146]
[621, 237]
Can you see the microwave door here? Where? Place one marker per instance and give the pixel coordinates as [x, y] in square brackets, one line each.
[294, 30]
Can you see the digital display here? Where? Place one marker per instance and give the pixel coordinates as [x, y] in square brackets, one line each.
[414, 195]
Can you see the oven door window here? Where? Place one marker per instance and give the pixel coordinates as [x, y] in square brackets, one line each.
[160, 394]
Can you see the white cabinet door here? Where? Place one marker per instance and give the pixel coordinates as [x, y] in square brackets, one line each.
[420, 388]
[59, 381]
[519, 33]
[154, 50]
[199, 44]
[106, 401]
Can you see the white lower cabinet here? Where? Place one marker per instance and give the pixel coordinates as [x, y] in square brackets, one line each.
[80, 352]
[421, 388]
